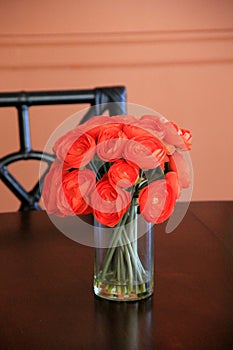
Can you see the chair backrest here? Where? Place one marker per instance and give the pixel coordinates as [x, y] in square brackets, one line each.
[100, 99]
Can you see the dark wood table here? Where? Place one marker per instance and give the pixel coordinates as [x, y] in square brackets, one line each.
[47, 302]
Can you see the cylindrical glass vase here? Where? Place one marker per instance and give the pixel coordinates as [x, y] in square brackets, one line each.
[124, 259]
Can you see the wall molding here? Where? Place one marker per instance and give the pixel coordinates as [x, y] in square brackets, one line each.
[115, 37]
[98, 50]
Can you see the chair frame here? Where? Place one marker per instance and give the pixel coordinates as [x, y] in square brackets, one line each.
[100, 99]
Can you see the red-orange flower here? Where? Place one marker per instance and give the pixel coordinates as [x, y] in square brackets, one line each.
[146, 125]
[179, 164]
[153, 124]
[172, 180]
[180, 138]
[96, 124]
[77, 186]
[187, 138]
[63, 144]
[76, 149]
[125, 119]
[147, 152]
[135, 130]
[111, 142]
[108, 203]
[157, 201]
[53, 195]
[123, 174]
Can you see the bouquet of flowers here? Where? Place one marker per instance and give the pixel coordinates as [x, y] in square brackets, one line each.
[109, 166]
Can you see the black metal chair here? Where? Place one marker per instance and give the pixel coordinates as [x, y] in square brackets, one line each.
[100, 99]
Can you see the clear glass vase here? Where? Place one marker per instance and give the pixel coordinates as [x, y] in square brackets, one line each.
[124, 259]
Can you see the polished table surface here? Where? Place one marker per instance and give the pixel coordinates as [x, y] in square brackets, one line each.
[47, 302]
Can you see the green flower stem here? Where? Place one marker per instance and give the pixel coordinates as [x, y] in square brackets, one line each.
[94, 169]
[122, 265]
[130, 270]
[133, 249]
[117, 232]
[119, 270]
[105, 168]
[133, 231]
[133, 255]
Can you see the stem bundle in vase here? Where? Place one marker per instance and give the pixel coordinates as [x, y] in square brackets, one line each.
[122, 274]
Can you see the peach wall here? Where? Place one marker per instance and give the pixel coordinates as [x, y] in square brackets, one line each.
[173, 56]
